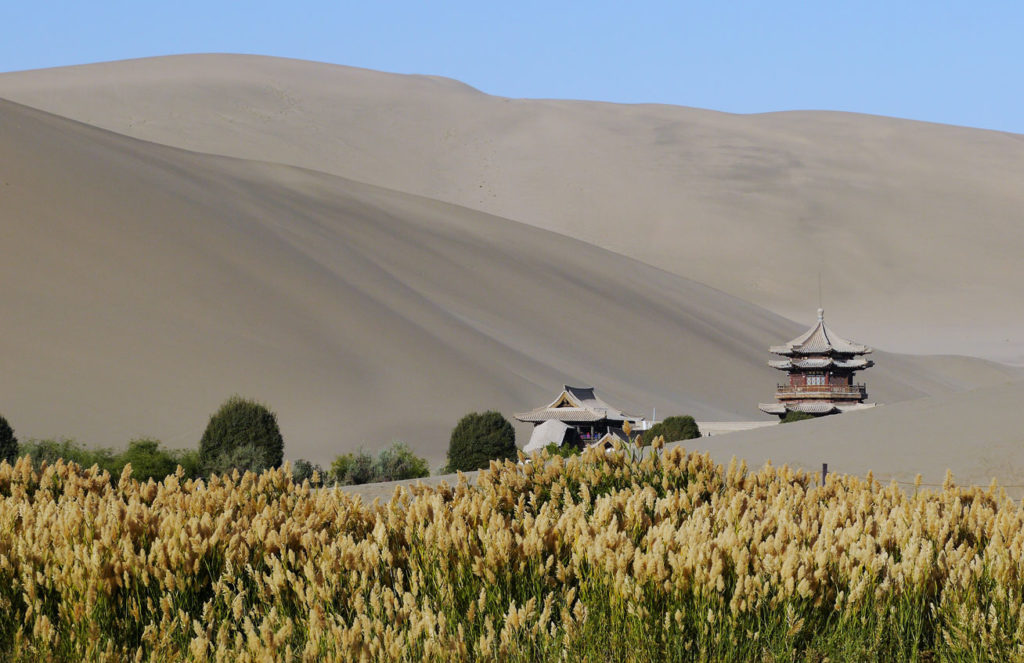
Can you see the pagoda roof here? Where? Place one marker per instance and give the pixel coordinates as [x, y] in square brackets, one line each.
[576, 404]
[820, 340]
[820, 362]
[812, 407]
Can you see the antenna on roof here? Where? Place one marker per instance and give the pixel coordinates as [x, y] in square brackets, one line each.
[820, 306]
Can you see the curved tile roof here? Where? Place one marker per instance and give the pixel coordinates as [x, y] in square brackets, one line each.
[820, 362]
[820, 340]
[812, 407]
[772, 408]
[576, 404]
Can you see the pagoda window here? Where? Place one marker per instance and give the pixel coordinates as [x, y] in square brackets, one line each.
[815, 380]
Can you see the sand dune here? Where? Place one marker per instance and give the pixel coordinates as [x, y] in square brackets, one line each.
[915, 228]
[976, 435]
[144, 284]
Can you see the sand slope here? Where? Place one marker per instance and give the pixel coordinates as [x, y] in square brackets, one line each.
[142, 285]
[915, 228]
[978, 435]
[975, 435]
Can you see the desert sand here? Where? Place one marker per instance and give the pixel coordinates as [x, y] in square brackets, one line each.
[976, 435]
[915, 228]
[375, 255]
[144, 284]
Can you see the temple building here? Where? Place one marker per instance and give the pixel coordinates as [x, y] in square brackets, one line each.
[576, 417]
[821, 365]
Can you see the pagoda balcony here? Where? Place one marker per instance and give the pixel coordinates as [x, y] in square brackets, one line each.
[822, 391]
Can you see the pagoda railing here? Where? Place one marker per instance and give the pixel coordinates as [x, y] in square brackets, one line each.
[851, 390]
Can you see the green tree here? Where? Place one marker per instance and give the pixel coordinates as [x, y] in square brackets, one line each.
[395, 463]
[188, 459]
[340, 467]
[148, 460]
[564, 450]
[353, 469]
[478, 439]
[8, 443]
[243, 435]
[794, 415]
[50, 451]
[303, 470]
[398, 462]
[244, 458]
[360, 470]
[672, 429]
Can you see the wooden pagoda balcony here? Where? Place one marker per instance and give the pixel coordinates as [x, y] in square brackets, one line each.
[822, 391]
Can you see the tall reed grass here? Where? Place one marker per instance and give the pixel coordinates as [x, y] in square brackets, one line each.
[601, 557]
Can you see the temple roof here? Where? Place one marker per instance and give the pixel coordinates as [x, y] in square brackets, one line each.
[820, 340]
[609, 438]
[577, 404]
[820, 362]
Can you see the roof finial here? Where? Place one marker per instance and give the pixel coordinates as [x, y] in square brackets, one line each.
[821, 315]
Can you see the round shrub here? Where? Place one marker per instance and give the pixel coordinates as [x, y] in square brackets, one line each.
[354, 469]
[8, 443]
[398, 462]
[243, 435]
[673, 429]
[480, 438]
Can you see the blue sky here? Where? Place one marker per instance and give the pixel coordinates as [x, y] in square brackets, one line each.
[953, 62]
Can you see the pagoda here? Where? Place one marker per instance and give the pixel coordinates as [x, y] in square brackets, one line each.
[821, 365]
